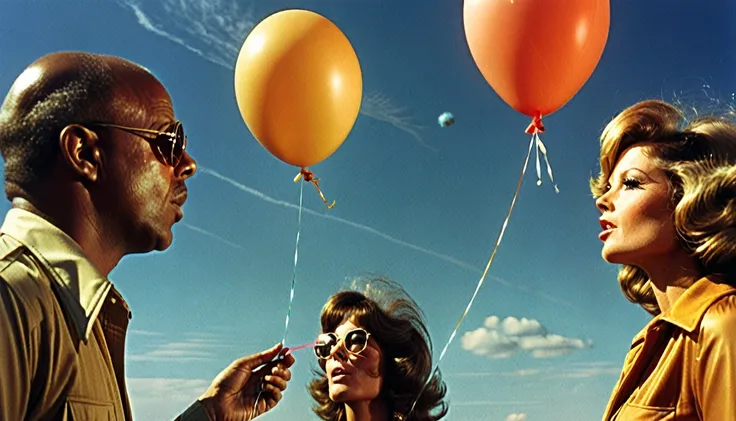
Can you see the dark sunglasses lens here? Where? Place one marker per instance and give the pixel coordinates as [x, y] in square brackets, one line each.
[325, 343]
[172, 147]
[356, 340]
[177, 149]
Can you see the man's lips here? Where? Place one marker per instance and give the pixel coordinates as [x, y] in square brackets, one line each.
[180, 197]
[178, 201]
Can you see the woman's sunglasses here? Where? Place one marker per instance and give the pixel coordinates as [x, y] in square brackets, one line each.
[171, 143]
[355, 342]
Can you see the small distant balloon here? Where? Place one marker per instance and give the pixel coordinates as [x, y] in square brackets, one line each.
[446, 119]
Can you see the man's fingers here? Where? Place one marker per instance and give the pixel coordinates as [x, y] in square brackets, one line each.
[256, 360]
[287, 361]
[282, 372]
[273, 395]
[276, 381]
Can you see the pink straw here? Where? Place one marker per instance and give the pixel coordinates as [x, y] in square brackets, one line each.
[296, 348]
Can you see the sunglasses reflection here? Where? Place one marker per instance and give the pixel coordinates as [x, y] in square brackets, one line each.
[354, 341]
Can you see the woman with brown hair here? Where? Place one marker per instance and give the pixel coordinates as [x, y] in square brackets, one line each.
[667, 195]
[375, 356]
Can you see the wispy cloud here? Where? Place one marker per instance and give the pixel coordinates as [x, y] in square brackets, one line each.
[496, 403]
[516, 417]
[444, 257]
[211, 235]
[380, 107]
[143, 332]
[216, 29]
[505, 338]
[568, 371]
[193, 347]
[159, 399]
[583, 373]
[362, 227]
[515, 373]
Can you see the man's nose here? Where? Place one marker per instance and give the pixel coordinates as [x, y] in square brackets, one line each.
[187, 167]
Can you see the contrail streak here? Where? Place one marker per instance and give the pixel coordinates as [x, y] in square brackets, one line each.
[452, 260]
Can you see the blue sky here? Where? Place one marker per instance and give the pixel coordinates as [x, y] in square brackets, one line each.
[415, 202]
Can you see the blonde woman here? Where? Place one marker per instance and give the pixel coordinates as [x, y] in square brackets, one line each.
[667, 197]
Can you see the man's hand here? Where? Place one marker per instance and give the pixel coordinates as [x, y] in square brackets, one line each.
[232, 395]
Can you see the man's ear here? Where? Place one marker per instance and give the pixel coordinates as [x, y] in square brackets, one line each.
[80, 150]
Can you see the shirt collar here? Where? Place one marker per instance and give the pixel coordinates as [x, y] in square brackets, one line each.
[81, 285]
[691, 306]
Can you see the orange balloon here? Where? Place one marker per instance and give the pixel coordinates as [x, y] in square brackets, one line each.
[299, 86]
[536, 54]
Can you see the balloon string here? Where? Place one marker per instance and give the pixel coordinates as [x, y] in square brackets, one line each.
[543, 149]
[309, 177]
[296, 260]
[483, 277]
[282, 354]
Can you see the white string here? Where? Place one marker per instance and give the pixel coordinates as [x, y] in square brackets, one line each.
[291, 292]
[482, 278]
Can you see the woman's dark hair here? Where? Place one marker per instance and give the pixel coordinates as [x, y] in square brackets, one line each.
[396, 322]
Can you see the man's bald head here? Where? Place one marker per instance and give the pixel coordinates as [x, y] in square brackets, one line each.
[53, 92]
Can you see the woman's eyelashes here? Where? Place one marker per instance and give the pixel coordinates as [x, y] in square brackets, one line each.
[631, 183]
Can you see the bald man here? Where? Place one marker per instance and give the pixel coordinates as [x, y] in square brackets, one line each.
[96, 169]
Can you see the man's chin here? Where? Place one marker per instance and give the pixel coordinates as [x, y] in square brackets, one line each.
[164, 241]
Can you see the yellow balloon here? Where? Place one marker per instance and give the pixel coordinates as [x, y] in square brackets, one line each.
[299, 86]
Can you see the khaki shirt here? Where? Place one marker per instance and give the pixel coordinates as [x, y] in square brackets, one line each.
[62, 329]
[682, 365]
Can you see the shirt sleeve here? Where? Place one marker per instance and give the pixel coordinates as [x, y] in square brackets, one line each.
[715, 366]
[18, 338]
[195, 412]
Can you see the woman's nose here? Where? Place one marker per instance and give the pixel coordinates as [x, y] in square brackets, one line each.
[338, 351]
[602, 203]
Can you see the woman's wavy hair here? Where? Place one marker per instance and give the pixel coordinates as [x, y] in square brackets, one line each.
[699, 159]
[395, 321]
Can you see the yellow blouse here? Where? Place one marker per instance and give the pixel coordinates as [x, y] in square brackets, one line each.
[682, 365]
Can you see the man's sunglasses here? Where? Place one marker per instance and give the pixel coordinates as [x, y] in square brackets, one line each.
[171, 143]
[354, 342]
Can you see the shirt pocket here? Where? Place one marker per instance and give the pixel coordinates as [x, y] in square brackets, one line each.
[81, 409]
[636, 412]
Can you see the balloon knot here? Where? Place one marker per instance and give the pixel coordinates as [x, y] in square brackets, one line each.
[309, 177]
[536, 126]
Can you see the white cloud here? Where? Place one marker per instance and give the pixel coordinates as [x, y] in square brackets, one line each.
[545, 346]
[515, 373]
[162, 399]
[582, 373]
[185, 350]
[495, 403]
[380, 107]
[143, 332]
[505, 338]
[522, 327]
[216, 29]
[489, 343]
[577, 370]
[516, 417]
